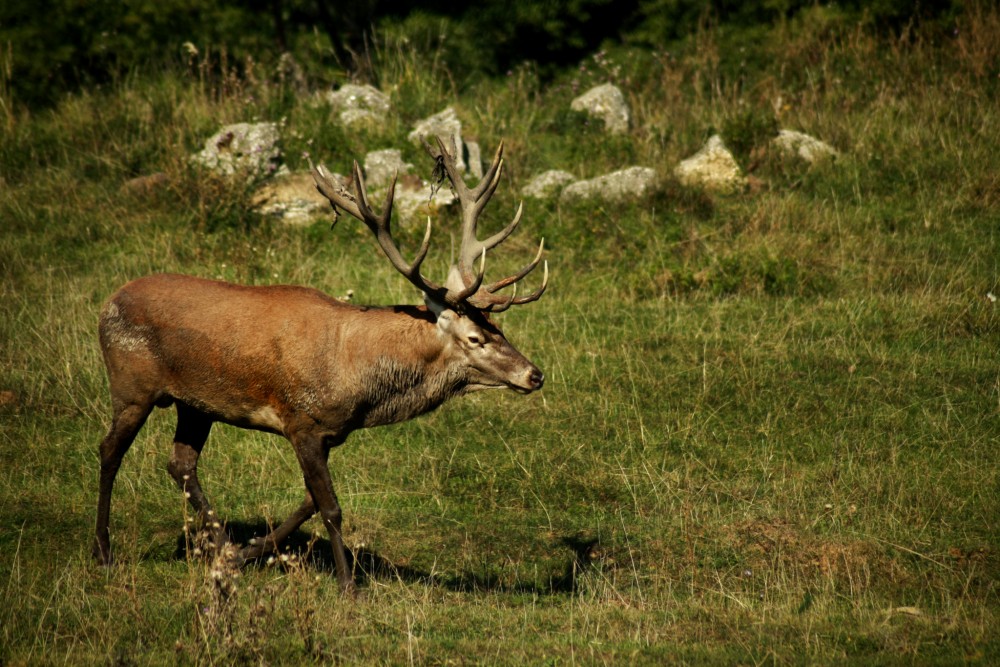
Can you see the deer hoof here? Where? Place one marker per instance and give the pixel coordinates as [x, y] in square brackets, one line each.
[102, 554]
[352, 591]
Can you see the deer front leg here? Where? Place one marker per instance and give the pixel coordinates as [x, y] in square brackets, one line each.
[313, 456]
[270, 542]
[192, 431]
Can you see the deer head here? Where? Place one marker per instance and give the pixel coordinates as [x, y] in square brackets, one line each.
[463, 304]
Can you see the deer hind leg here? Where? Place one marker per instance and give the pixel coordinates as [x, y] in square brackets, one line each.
[192, 431]
[127, 420]
[270, 542]
[313, 455]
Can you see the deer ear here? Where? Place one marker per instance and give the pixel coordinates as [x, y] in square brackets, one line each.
[454, 282]
[447, 320]
[439, 308]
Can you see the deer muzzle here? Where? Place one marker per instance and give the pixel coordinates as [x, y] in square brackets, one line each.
[531, 380]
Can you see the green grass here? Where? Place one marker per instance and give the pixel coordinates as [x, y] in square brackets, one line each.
[770, 426]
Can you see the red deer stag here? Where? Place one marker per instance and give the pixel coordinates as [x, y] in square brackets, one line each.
[295, 362]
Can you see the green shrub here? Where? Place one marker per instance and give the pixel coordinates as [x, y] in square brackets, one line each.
[748, 132]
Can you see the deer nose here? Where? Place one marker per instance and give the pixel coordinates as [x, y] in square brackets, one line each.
[536, 379]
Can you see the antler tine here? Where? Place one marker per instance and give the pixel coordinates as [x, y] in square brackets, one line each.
[361, 194]
[482, 195]
[497, 304]
[537, 294]
[501, 236]
[367, 214]
[525, 270]
[451, 169]
[425, 245]
[500, 307]
[491, 177]
[473, 287]
[338, 196]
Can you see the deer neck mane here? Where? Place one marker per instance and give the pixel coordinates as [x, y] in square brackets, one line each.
[395, 387]
[394, 390]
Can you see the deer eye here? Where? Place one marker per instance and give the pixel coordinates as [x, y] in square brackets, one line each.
[474, 339]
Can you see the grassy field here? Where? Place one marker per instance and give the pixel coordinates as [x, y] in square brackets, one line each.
[769, 432]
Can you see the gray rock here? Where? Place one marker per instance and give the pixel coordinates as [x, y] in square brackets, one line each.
[360, 117]
[299, 212]
[606, 103]
[713, 168]
[475, 159]
[623, 185]
[245, 148]
[808, 148]
[293, 199]
[380, 166]
[356, 105]
[416, 199]
[444, 124]
[548, 184]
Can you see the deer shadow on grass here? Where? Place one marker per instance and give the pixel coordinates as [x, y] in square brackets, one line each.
[368, 565]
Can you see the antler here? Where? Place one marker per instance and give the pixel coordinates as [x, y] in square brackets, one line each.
[472, 201]
[357, 205]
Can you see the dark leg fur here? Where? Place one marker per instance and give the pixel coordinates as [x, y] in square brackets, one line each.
[127, 421]
[313, 457]
[273, 540]
[192, 431]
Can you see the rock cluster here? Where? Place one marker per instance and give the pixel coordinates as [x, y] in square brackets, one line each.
[252, 149]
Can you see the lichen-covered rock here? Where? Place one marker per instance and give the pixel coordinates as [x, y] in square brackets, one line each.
[416, 199]
[293, 199]
[354, 118]
[444, 124]
[474, 159]
[713, 168]
[548, 184]
[808, 148]
[623, 185]
[381, 166]
[606, 103]
[356, 104]
[245, 148]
